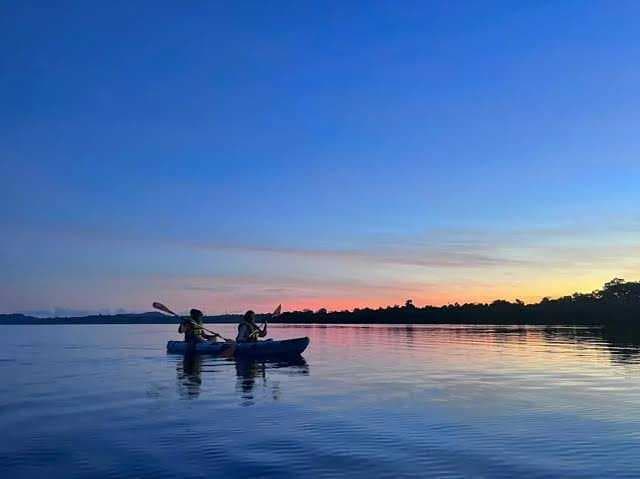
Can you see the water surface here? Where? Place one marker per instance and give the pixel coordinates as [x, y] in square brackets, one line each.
[377, 401]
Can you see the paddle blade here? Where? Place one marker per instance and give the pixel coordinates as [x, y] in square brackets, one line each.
[277, 311]
[163, 308]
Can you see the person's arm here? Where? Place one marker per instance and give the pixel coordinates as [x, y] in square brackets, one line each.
[183, 326]
[263, 331]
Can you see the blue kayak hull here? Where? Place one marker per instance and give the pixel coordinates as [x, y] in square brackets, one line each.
[285, 347]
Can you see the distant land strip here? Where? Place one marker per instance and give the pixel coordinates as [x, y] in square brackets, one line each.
[617, 303]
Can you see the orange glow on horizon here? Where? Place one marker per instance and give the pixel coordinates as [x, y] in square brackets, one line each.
[347, 301]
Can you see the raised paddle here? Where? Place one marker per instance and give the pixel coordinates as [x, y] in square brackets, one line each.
[276, 312]
[164, 309]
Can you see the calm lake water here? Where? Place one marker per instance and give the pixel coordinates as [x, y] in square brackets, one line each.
[378, 401]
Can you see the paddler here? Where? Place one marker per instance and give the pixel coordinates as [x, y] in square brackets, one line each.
[248, 330]
[193, 330]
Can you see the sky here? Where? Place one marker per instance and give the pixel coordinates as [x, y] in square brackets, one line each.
[235, 155]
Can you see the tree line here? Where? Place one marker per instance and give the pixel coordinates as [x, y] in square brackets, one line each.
[617, 302]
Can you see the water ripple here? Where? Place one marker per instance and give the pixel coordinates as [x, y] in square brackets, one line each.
[378, 401]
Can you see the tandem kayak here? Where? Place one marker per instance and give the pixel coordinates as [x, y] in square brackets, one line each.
[285, 347]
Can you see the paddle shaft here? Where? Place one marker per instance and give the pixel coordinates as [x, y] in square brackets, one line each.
[207, 330]
[276, 313]
[162, 307]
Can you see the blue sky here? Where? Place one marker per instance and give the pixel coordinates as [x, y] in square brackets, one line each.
[331, 154]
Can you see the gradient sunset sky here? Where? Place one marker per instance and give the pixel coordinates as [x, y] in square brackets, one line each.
[234, 155]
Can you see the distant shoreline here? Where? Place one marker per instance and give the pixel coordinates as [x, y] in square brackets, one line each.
[498, 315]
[143, 318]
[616, 304]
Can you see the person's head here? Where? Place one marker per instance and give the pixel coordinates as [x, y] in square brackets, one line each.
[196, 314]
[249, 317]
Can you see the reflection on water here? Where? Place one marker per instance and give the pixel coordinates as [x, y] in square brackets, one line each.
[623, 343]
[250, 373]
[188, 373]
[378, 401]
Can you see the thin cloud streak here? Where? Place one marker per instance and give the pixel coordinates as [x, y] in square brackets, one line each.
[443, 266]
[440, 248]
[432, 259]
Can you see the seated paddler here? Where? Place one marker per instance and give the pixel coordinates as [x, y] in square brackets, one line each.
[248, 330]
[193, 329]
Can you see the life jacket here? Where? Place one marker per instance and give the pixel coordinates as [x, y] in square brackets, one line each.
[192, 330]
[245, 332]
[197, 328]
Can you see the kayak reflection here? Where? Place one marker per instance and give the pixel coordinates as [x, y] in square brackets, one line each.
[189, 375]
[252, 373]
